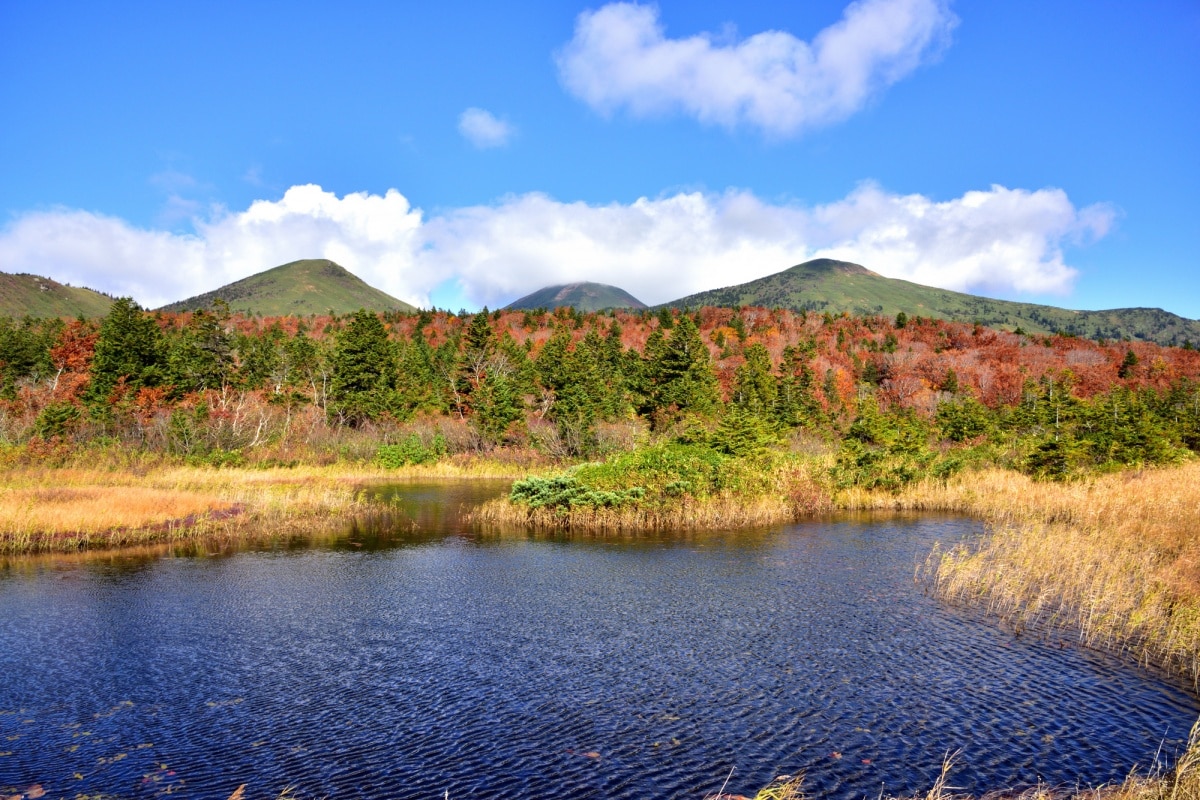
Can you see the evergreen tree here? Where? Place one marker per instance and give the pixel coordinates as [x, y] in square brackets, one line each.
[524, 373]
[416, 378]
[25, 351]
[551, 363]
[795, 396]
[680, 376]
[129, 351]
[1127, 364]
[364, 371]
[479, 345]
[261, 359]
[754, 387]
[201, 355]
[498, 410]
[582, 396]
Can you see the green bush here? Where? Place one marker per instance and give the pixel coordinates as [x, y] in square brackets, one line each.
[411, 450]
[217, 458]
[56, 419]
[652, 476]
[565, 491]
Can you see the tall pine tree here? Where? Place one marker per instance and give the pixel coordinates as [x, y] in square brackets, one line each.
[364, 371]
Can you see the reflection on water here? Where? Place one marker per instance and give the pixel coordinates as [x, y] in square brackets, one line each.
[431, 658]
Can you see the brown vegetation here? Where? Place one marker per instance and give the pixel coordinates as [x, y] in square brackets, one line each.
[72, 509]
[1180, 783]
[1115, 558]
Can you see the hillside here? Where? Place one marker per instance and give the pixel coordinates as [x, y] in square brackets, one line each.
[35, 296]
[582, 296]
[827, 285]
[312, 286]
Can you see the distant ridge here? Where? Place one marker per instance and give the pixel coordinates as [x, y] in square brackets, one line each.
[311, 286]
[825, 284]
[24, 294]
[581, 296]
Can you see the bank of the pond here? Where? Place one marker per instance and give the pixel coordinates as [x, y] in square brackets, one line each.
[1115, 558]
[70, 509]
[1181, 782]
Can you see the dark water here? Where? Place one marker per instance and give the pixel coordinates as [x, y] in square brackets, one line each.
[441, 661]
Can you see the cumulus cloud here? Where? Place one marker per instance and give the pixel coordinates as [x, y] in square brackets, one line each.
[483, 129]
[374, 236]
[620, 57]
[999, 240]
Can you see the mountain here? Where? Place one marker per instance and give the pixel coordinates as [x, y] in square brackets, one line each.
[312, 286]
[582, 296]
[33, 295]
[836, 286]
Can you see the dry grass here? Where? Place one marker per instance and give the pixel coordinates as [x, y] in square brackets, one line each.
[1182, 782]
[70, 509]
[1116, 558]
[792, 491]
[725, 511]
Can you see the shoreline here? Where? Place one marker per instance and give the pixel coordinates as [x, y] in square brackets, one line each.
[70, 510]
[1140, 529]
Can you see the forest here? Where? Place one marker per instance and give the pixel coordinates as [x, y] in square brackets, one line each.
[895, 398]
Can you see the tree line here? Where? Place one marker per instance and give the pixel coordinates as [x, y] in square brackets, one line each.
[891, 395]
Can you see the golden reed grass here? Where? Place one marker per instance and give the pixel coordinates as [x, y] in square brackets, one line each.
[794, 494]
[70, 509]
[1181, 782]
[1115, 558]
[724, 511]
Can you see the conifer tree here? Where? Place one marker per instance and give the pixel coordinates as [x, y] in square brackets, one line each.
[478, 347]
[129, 350]
[25, 351]
[680, 376]
[364, 371]
[754, 387]
[201, 355]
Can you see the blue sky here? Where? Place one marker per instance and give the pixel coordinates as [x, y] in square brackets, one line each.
[462, 154]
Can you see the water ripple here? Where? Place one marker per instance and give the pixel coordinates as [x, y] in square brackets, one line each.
[549, 668]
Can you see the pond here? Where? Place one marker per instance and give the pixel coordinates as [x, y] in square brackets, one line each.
[436, 661]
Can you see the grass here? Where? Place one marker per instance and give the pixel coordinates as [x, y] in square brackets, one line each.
[664, 487]
[1115, 559]
[60, 510]
[1181, 782]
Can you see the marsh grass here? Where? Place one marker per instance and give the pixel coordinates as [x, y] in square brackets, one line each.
[1180, 782]
[1116, 559]
[723, 511]
[669, 487]
[44, 510]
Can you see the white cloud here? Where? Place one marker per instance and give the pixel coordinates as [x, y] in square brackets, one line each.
[999, 240]
[373, 236]
[620, 57]
[483, 129]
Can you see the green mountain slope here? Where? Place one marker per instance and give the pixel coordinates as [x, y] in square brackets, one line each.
[312, 286]
[582, 296]
[36, 296]
[836, 286]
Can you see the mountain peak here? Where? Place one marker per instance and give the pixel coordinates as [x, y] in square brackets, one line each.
[582, 295]
[308, 286]
[831, 266]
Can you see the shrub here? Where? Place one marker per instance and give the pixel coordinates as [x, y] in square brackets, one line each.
[565, 491]
[411, 450]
